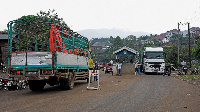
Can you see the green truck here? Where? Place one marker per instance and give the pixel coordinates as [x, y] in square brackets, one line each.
[47, 53]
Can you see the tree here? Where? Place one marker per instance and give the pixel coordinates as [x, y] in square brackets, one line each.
[196, 51]
[148, 45]
[143, 37]
[129, 41]
[172, 54]
[117, 43]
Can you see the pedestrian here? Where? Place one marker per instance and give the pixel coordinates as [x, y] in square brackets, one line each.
[136, 70]
[119, 66]
[95, 68]
[139, 70]
[111, 62]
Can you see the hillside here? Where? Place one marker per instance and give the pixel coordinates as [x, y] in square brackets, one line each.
[98, 33]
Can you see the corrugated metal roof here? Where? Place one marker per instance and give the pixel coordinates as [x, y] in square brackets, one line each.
[3, 36]
[126, 48]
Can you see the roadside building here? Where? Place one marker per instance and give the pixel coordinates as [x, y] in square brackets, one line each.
[100, 45]
[127, 68]
[4, 47]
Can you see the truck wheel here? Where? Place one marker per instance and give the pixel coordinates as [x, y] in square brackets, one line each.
[36, 85]
[70, 81]
[67, 84]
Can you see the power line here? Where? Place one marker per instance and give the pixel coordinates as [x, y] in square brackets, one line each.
[194, 18]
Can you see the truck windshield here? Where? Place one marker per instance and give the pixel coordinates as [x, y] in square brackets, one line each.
[156, 55]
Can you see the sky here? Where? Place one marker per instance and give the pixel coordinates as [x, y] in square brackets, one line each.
[152, 16]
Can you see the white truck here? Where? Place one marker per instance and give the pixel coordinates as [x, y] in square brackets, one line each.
[153, 60]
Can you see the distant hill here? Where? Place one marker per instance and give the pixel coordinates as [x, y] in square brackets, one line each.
[106, 33]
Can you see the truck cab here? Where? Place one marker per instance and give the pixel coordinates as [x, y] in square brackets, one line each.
[153, 60]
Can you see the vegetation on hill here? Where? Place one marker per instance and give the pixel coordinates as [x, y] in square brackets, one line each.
[171, 48]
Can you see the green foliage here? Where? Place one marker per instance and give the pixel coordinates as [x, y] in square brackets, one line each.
[143, 37]
[129, 41]
[148, 45]
[172, 54]
[54, 17]
[117, 43]
[171, 49]
[196, 51]
[36, 26]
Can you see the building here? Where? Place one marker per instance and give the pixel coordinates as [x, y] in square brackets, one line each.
[162, 38]
[4, 47]
[193, 31]
[100, 45]
[171, 33]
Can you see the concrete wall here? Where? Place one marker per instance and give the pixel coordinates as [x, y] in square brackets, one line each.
[128, 68]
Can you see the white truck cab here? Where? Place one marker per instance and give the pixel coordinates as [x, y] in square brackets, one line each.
[153, 60]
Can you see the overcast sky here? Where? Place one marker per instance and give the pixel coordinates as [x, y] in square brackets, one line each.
[152, 16]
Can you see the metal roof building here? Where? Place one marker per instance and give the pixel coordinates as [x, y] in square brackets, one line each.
[3, 36]
[125, 51]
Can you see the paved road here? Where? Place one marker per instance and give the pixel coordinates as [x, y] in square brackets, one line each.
[128, 93]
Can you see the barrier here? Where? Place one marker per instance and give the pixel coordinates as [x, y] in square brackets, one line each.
[93, 73]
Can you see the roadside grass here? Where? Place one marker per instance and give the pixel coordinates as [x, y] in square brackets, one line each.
[188, 77]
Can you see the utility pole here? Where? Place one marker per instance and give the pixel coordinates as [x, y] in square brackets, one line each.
[189, 44]
[178, 43]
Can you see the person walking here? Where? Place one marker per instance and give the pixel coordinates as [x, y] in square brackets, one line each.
[139, 67]
[119, 66]
[136, 70]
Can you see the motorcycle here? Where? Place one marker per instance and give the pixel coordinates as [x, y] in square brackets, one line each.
[195, 71]
[4, 68]
[167, 70]
[10, 84]
[6, 83]
[1, 83]
[21, 84]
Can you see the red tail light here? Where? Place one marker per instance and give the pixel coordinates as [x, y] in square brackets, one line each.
[5, 80]
[18, 72]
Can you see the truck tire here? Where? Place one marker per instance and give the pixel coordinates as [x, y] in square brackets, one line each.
[67, 84]
[36, 85]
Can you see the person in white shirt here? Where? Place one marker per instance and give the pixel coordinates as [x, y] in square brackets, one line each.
[119, 66]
